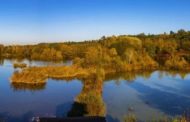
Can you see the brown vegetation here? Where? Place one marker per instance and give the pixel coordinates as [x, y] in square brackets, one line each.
[89, 102]
[41, 74]
[19, 65]
[110, 54]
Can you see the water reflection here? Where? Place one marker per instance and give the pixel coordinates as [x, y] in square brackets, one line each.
[6, 117]
[122, 100]
[132, 76]
[44, 63]
[173, 73]
[36, 63]
[148, 95]
[129, 76]
[1, 61]
[168, 102]
[163, 94]
[31, 87]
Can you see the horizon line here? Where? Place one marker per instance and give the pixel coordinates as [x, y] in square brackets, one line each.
[95, 39]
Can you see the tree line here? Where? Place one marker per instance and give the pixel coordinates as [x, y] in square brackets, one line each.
[122, 52]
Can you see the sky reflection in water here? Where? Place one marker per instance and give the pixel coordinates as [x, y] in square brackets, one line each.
[148, 98]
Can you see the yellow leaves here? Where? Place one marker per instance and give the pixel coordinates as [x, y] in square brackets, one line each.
[133, 41]
[93, 55]
[130, 55]
[113, 52]
[176, 62]
[138, 59]
[51, 54]
[1, 50]
[48, 54]
[168, 46]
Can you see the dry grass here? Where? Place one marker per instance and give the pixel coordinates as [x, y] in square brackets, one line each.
[32, 75]
[19, 65]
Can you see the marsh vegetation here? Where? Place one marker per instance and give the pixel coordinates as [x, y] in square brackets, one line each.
[127, 96]
[115, 54]
[125, 57]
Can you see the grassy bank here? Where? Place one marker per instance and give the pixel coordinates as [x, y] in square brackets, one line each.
[33, 75]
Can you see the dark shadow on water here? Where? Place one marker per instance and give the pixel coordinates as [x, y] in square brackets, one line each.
[77, 110]
[109, 118]
[88, 102]
[63, 109]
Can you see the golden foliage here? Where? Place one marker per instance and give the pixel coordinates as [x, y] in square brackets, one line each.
[176, 62]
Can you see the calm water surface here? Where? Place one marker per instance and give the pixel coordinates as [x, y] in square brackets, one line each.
[146, 95]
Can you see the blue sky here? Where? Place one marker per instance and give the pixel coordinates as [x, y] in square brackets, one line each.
[34, 21]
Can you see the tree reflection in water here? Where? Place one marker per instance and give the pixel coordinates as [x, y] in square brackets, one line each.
[128, 76]
[1, 61]
[31, 87]
[89, 102]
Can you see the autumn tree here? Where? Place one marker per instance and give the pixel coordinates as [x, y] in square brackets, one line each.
[176, 62]
[129, 55]
[124, 42]
[120, 53]
[67, 51]
[51, 54]
[1, 50]
[93, 55]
